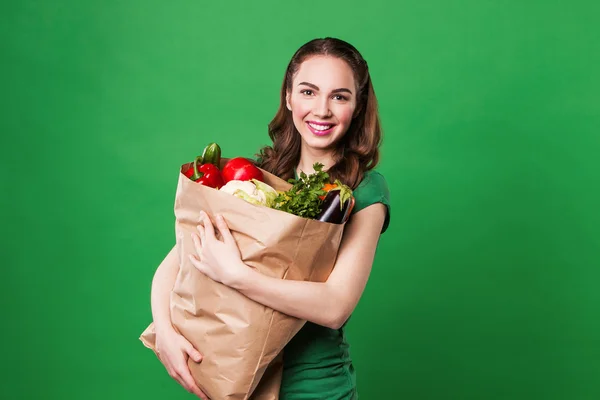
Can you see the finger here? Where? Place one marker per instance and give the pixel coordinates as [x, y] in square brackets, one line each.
[201, 233]
[209, 230]
[197, 244]
[201, 395]
[181, 381]
[224, 229]
[202, 267]
[197, 263]
[193, 353]
[189, 383]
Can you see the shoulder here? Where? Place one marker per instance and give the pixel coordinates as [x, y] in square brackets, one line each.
[373, 189]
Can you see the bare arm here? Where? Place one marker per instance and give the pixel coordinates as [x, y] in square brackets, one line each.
[162, 285]
[330, 303]
[172, 348]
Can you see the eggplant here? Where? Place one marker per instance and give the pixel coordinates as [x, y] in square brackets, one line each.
[337, 205]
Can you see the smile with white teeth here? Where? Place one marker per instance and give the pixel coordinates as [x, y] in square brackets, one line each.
[320, 127]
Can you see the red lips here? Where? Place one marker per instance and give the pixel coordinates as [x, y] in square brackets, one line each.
[319, 132]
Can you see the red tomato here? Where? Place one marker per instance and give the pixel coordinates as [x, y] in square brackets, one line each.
[241, 169]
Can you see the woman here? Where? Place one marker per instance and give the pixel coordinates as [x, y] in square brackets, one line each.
[328, 114]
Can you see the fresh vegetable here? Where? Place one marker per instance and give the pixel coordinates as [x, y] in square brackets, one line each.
[303, 198]
[327, 188]
[241, 169]
[205, 174]
[212, 155]
[311, 196]
[270, 193]
[252, 191]
[337, 205]
[204, 169]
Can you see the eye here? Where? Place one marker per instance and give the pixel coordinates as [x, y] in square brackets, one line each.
[340, 97]
[307, 92]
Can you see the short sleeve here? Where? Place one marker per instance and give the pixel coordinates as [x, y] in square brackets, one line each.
[373, 189]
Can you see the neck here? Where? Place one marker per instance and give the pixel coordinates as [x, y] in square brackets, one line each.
[308, 157]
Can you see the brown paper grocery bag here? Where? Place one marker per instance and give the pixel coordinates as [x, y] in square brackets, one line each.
[238, 337]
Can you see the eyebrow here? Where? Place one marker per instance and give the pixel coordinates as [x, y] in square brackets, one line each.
[317, 88]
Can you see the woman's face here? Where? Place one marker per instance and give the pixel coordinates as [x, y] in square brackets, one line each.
[322, 100]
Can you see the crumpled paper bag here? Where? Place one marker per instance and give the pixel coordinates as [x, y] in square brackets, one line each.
[241, 340]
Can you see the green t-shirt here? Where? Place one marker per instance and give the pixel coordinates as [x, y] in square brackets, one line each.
[317, 362]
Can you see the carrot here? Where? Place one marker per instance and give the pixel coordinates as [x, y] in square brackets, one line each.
[327, 187]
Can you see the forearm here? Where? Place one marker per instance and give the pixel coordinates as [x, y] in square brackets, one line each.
[162, 285]
[316, 302]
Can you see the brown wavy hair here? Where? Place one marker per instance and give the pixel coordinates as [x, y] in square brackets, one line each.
[357, 151]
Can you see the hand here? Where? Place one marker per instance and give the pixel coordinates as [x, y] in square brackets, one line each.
[220, 260]
[173, 351]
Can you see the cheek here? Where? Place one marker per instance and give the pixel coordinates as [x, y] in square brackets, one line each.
[300, 109]
[345, 114]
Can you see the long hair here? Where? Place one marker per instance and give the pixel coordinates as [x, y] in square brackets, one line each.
[357, 151]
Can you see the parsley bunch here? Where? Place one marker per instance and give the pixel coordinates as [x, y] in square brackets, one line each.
[302, 199]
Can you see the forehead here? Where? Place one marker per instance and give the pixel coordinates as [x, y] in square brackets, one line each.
[326, 72]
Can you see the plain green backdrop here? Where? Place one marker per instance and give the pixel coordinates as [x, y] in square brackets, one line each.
[486, 285]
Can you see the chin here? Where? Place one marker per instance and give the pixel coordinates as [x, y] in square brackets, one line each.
[319, 143]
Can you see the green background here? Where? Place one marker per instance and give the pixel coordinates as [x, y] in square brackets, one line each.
[484, 287]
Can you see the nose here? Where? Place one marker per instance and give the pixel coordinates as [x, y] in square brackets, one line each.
[321, 107]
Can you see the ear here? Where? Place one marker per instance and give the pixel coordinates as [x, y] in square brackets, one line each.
[287, 101]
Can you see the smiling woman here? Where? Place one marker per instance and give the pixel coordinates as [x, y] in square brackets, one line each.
[328, 115]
